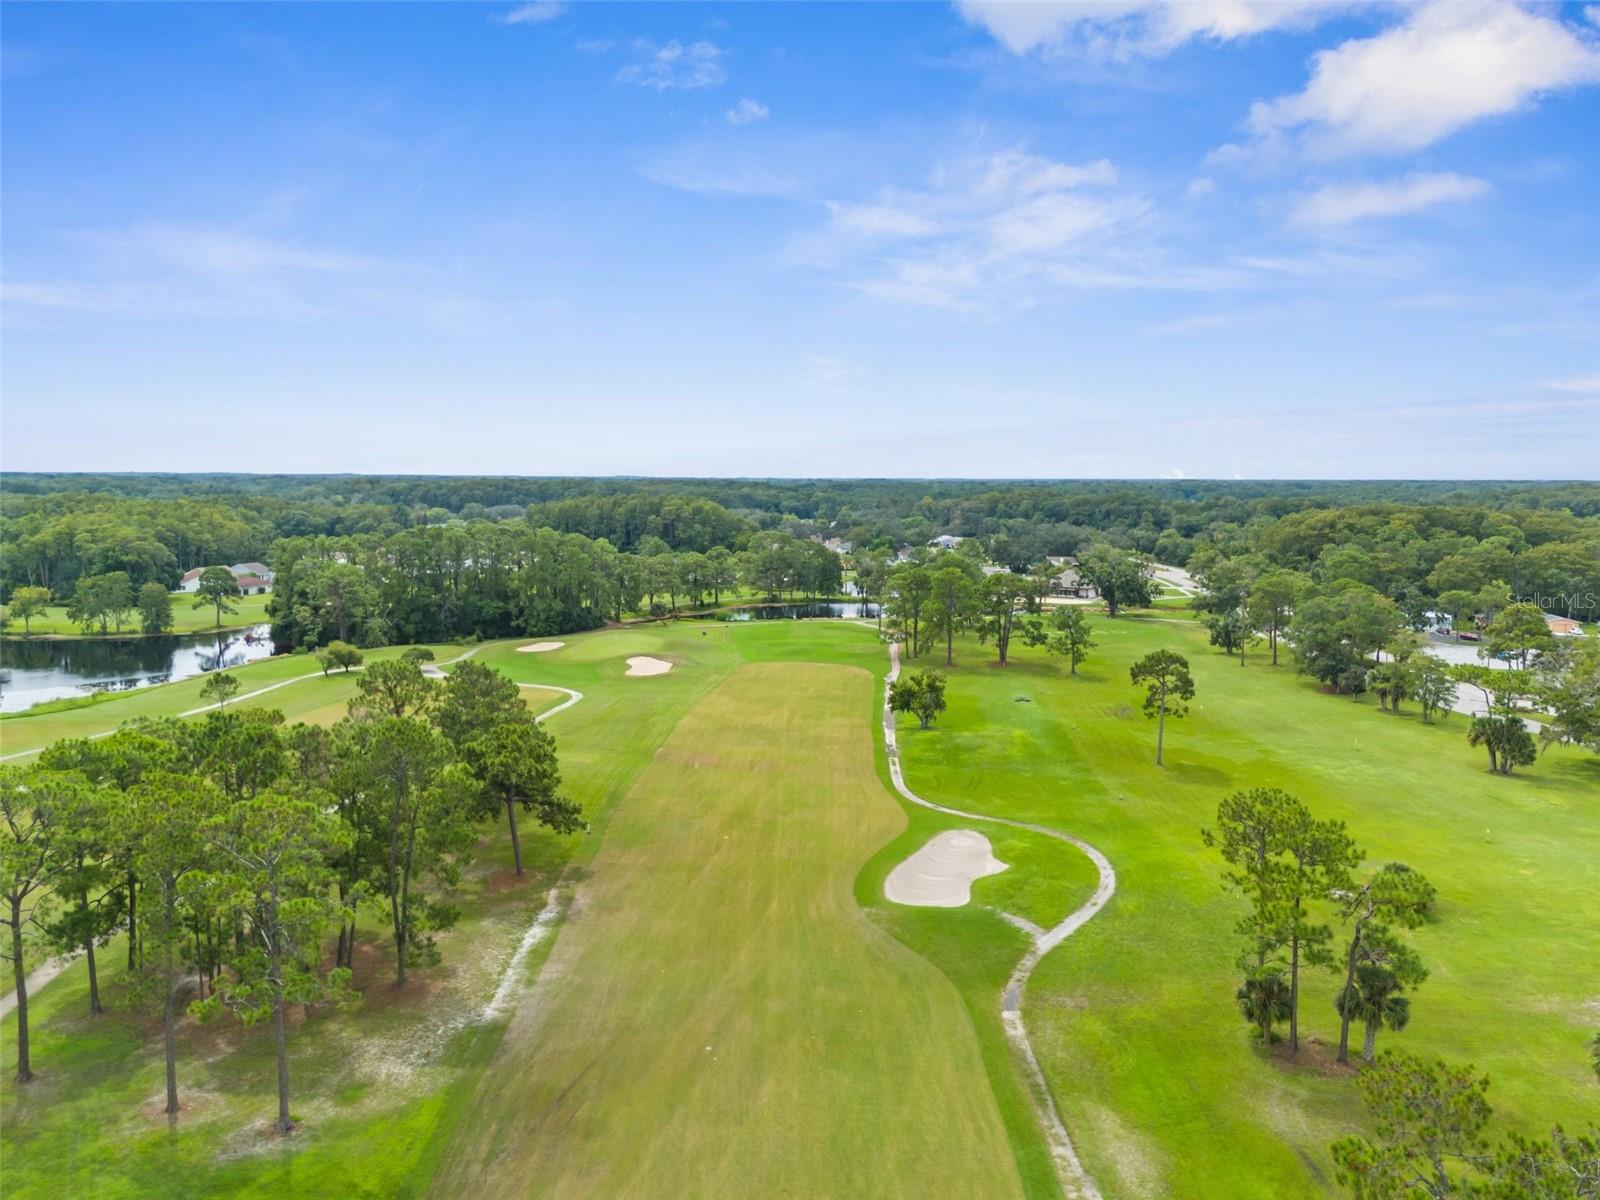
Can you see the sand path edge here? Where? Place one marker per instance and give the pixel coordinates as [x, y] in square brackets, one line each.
[1075, 1180]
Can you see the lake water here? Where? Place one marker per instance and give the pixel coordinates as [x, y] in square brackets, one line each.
[795, 612]
[50, 668]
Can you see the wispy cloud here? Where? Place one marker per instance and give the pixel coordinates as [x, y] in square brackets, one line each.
[1586, 384]
[981, 231]
[747, 112]
[201, 270]
[532, 14]
[1450, 64]
[1339, 204]
[1200, 323]
[1121, 28]
[674, 65]
[221, 251]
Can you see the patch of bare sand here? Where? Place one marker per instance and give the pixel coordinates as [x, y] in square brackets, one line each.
[643, 664]
[540, 647]
[1137, 1160]
[940, 874]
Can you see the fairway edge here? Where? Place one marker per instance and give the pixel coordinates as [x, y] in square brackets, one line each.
[1074, 1178]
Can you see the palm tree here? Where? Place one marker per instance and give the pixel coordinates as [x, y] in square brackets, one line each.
[1263, 1000]
[1376, 1001]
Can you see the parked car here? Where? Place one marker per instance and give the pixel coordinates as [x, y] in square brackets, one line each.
[1468, 637]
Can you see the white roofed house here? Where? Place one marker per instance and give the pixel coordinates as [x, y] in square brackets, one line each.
[946, 541]
[253, 578]
[259, 570]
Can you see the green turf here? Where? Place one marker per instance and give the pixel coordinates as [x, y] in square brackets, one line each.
[721, 1021]
[252, 610]
[1133, 1016]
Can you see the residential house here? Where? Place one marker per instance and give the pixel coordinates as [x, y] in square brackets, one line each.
[1067, 581]
[253, 578]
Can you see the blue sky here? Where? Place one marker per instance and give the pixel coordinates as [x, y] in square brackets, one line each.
[1219, 238]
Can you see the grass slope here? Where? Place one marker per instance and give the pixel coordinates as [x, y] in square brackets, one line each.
[719, 1019]
[1133, 1017]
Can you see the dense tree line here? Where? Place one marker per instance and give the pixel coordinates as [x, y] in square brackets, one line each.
[233, 850]
[503, 578]
[54, 528]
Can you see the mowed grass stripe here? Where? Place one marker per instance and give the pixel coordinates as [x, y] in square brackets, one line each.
[718, 1018]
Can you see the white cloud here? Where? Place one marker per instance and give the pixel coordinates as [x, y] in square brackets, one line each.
[1451, 63]
[998, 230]
[674, 65]
[747, 111]
[1338, 204]
[1576, 383]
[1118, 28]
[532, 14]
[980, 231]
[220, 251]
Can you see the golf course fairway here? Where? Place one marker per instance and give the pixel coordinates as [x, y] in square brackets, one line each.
[718, 1018]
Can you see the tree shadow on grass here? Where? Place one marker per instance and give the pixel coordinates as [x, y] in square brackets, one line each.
[1199, 774]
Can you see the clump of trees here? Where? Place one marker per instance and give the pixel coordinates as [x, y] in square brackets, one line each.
[1124, 579]
[1296, 872]
[155, 608]
[231, 849]
[102, 602]
[1066, 631]
[921, 694]
[28, 603]
[1429, 1142]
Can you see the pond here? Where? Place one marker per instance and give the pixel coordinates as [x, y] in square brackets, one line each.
[795, 612]
[50, 668]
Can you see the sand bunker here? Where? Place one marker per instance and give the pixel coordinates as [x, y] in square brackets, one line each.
[643, 664]
[540, 647]
[940, 875]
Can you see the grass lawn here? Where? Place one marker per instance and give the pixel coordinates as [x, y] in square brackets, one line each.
[732, 897]
[252, 610]
[1133, 1017]
[719, 1019]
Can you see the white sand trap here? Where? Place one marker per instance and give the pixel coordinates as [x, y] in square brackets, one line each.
[540, 647]
[940, 875]
[643, 664]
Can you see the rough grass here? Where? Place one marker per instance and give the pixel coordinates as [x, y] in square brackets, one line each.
[1133, 1017]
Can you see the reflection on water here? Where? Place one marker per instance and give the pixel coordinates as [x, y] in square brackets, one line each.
[49, 668]
[794, 612]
